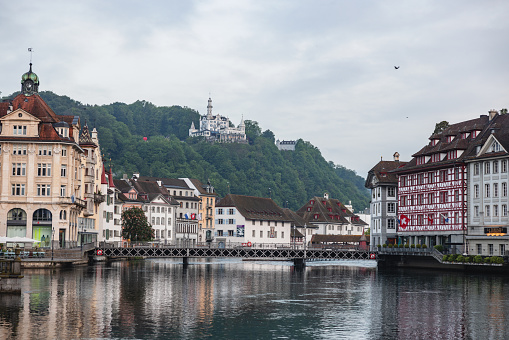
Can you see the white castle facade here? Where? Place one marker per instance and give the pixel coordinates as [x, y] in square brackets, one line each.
[216, 128]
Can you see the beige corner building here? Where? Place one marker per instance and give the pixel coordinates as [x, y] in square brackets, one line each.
[41, 184]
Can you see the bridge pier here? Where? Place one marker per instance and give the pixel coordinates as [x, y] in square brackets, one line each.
[299, 262]
[185, 260]
[10, 275]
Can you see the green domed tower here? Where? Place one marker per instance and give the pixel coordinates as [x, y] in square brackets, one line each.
[29, 83]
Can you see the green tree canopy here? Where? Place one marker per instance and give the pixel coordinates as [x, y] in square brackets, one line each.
[135, 225]
[439, 127]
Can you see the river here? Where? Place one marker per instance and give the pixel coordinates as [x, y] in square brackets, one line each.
[234, 299]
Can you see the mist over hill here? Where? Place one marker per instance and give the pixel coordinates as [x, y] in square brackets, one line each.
[256, 169]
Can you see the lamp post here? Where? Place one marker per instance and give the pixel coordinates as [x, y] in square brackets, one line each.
[52, 238]
[305, 236]
[294, 245]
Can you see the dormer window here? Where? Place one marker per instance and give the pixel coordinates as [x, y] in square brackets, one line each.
[316, 216]
[309, 208]
[475, 133]
[453, 154]
[434, 142]
[495, 147]
[464, 135]
[330, 209]
[63, 132]
[19, 130]
[449, 139]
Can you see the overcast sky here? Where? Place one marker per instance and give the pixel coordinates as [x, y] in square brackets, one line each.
[318, 70]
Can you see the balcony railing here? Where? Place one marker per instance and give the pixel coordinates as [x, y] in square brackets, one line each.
[73, 200]
[99, 198]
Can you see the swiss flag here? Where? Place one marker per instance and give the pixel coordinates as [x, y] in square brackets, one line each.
[403, 221]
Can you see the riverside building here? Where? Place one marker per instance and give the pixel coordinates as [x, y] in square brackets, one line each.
[384, 202]
[488, 198]
[444, 195]
[41, 180]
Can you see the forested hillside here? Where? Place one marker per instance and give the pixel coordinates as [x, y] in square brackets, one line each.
[257, 169]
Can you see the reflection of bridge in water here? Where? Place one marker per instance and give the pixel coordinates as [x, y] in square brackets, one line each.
[299, 256]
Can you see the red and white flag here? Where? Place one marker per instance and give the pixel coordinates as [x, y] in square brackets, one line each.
[403, 221]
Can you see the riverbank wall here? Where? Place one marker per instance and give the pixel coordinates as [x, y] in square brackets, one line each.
[386, 261]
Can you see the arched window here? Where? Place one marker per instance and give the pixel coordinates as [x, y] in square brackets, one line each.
[63, 214]
[42, 215]
[16, 214]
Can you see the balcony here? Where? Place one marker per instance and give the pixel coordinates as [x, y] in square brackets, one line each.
[73, 200]
[98, 198]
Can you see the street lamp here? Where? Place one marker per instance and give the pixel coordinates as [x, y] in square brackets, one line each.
[52, 238]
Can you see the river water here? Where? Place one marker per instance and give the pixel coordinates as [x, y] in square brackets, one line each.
[234, 299]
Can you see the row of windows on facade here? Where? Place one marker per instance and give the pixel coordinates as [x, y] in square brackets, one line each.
[43, 169]
[231, 233]
[221, 211]
[431, 219]
[347, 228]
[43, 150]
[429, 198]
[501, 248]
[452, 154]
[156, 209]
[430, 177]
[18, 214]
[391, 192]
[391, 208]
[42, 190]
[491, 190]
[490, 210]
[490, 167]
[391, 224]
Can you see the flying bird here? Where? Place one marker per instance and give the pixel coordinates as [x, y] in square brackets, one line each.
[396, 67]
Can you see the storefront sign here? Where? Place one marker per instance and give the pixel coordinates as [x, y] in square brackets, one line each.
[498, 230]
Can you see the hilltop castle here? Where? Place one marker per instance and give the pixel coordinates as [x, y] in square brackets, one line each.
[216, 128]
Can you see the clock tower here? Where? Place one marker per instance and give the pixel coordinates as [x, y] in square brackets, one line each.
[29, 83]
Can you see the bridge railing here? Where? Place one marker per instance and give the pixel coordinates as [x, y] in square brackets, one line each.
[241, 245]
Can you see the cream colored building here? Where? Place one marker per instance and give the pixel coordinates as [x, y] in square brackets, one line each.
[41, 194]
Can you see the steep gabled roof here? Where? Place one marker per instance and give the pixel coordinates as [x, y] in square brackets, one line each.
[254, 208]
[381, 171]
[37, 107]
[328, 210]
[33, 105]
[483, 125]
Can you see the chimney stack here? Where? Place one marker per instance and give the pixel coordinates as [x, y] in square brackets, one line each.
[492, 114]
[396, 156]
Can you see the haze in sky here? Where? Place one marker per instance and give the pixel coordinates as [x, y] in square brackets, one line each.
[323, 71]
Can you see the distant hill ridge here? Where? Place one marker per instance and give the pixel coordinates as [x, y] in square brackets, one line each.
[256, 169]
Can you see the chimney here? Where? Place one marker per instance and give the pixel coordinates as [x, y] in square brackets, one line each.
[159, 183]
[136, 176]
[326, 196]
[396, 156]
[493, 113]
[124, 176]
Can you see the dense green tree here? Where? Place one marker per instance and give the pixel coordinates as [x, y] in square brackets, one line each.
[439, 127]
[252, 130]
[135, 226]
